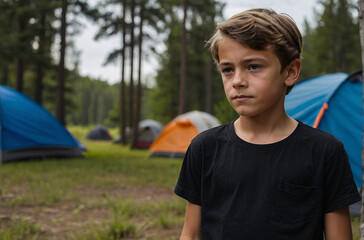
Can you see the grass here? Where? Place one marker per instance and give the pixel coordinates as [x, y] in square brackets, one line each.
[112, 193]
[355, 225]
[21, 229]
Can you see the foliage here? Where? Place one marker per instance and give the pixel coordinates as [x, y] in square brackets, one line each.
[201, 22]
[95, 98]
[225, 113]
[24, 35]
[332, 45]
[113, 117]
[28, 37]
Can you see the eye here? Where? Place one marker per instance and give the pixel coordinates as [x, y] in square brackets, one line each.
[254, 67]
[227, 70]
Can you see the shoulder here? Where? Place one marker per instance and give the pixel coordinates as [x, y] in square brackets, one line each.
[317, 137]
[311, 132]
[212, 134]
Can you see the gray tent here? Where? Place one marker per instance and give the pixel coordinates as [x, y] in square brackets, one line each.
[148, 131]
[99, 132]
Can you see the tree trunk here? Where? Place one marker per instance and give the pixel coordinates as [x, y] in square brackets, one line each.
[39, 84]
[5, 75]
[131, 84]
[122, 84]
[19, 62]
[182, 86]
[39, 67]
[361, 23]
[60, 104]
[208, 86]
[19, 71]
[139, 88]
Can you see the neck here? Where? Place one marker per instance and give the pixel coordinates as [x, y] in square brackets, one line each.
[262, 130]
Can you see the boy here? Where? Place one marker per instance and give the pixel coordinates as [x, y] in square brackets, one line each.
[265, 175]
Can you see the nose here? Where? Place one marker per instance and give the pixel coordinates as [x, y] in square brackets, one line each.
[240, 80]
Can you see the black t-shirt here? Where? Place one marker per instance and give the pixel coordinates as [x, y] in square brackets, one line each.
[266, 191]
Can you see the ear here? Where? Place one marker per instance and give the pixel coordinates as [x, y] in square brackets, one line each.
[292, 72]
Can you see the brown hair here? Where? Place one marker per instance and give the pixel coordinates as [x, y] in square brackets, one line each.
[259, 29]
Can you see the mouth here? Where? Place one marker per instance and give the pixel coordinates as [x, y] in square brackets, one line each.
[241, 98]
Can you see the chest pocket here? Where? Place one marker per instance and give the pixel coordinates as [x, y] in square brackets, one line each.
[297, 203]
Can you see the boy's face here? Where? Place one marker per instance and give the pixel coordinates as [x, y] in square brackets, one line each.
[253, 81]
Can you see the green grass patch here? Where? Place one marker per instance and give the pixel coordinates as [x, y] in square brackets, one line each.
[130, 219]
[355, 225]
[19, 230]
[105, 165]
[94, 182]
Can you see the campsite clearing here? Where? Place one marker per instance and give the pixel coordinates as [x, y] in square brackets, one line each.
[112, 193]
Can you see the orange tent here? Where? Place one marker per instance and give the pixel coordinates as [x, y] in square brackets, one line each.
[173, 141]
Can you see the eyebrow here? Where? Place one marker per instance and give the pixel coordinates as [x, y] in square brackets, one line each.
[248, 60]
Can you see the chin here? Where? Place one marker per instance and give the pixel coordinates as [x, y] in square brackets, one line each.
[246, 113]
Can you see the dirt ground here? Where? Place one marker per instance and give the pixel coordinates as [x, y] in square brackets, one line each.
[66, 218]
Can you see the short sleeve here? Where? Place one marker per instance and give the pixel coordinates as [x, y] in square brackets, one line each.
[340, 188]
[189, 182]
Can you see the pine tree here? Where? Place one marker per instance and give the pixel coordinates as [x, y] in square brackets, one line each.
[203, 83]
[332, 45]
[76, 7]
[113, 24]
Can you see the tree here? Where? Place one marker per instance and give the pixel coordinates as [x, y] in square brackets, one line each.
[22, 20]
[131, 48]
[19, 14]
[139, 85]
[332, 45]
[348, 27]
[122, 96]
[113, 24]
[204, 84]
[61, 68]
[76, 7]
[43, 41]
[27, 36]
[6, 41]
[26, 54]
[39, 64]
[361, 31]
[182, 83]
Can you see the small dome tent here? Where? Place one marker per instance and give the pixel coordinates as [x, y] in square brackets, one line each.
[173, 141]
[334, 104]
[27, 130]
[99, 133]
[148, 131]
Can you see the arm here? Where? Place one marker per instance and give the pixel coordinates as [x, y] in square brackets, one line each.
[338, 225]
[192, 227]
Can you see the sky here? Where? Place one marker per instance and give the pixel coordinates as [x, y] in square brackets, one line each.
[94, 53]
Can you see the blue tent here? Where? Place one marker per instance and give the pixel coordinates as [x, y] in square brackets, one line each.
[334, 104]
[27, 130]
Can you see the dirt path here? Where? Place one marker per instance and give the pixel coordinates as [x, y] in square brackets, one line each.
[70, 218]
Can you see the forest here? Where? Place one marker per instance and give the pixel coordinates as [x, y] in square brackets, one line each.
[38, 57]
